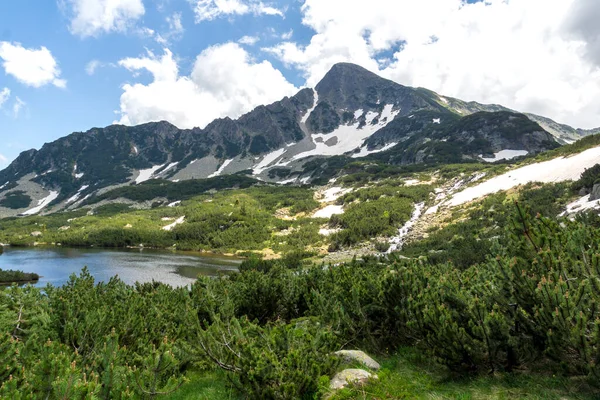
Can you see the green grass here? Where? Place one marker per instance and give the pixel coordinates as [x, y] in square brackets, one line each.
[412, 375]
[205, 386]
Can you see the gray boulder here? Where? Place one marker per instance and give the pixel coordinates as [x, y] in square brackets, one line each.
[358, 356]
[595, 192]
[350, 376]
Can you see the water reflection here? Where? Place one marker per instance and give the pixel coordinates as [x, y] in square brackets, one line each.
[55, 265]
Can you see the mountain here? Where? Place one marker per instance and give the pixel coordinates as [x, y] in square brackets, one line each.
[351, 113]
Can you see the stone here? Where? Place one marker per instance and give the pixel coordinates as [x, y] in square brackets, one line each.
[358, 356]
[350, 376]
[584, 191]
[36, 234]
[595, 192]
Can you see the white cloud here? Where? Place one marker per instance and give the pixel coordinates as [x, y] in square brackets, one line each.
[92, 66]
[95, 17]
[4, 96]
[249, 40]
[30, 66]
[540, 56]
[207, 10]
[18, 106]
[224, 81]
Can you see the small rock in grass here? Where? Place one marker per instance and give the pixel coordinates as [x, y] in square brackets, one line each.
[350, 376]
[359, 356]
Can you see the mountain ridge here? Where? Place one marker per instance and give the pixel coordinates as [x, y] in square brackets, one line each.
[351, 112]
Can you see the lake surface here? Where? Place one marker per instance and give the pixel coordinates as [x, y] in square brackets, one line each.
[55, 265]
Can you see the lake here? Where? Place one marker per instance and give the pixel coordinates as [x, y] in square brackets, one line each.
[56, 264]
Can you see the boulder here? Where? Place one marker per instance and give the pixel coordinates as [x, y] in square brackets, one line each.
[595, 192]
[358, 356]
[36, 234]
[350, 376]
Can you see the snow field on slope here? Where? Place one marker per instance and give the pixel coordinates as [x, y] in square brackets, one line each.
[557, 170]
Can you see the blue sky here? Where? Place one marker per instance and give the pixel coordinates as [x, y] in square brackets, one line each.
[132, 61]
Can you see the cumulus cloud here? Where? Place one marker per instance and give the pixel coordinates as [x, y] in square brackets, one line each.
[33, 67]
[531, 55]
[207, 10]
[224, 81]
[4, 96]
[95, 17]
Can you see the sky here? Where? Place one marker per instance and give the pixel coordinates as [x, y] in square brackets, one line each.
[70, 65]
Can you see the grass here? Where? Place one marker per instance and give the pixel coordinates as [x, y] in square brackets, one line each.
[412, 375]
[205, 386]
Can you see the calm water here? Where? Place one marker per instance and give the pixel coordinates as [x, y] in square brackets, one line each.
[55, 265]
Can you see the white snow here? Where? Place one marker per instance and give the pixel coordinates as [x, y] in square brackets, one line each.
[146, 174]
[3, 186]
[76, 196]
[349, 137]
[334, 193]
[267, 160]
[396, 242]
[285, 182]
[305, 180]
[358, 113]
[364, 152]
[411, 182]
[42, 203]
[505, 155]
[174, 204]
[556, 170]
[328, 211]
[221, 168]
[582, 204]
[432, 210]
[78, 176]
[135, 150]
[305, 117]
[192, 162]
[169, 167]
[327, 232]
[437, 120]
[445, 100]
[174, 224]
[45, 173]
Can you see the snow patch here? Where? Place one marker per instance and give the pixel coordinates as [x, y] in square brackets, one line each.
[42, 203]
[146, 174]
[505, 155]
[364, 152]
[582, 204]
[349, 137]
[328, 211]
[445, 100]
[135, 149]
[316, 101]
[78, 176]
[174, 204]
[358, 113]
[437, 120]
[268, 160]
[333, 194]
[221, 168]
[556, 170]
[169, 167]
[76, 196]
[396, 242]
[174, 224]
[3, 186]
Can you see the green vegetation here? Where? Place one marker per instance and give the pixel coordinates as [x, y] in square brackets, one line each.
[470, 235]
[532, 305]
[10, 276]
[588, 178]
[15, 200]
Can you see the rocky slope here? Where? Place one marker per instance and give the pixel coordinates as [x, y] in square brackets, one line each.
[350, 113]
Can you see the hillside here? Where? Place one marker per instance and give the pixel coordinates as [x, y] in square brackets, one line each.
[350, 114]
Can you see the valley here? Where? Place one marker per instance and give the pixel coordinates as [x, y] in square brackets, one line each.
[455, 242]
